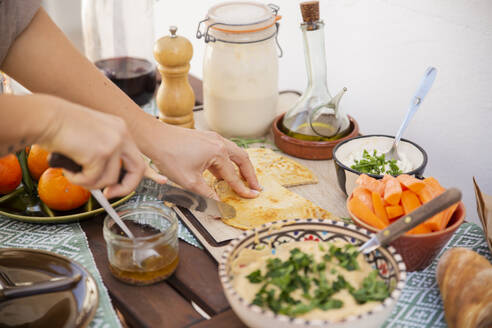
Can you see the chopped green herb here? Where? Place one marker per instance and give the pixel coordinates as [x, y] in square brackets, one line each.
[301, 272]
[372, 289]
[331, 304]
[347, 257]
[255, 277]
[374, 164]
[246, 142]
[347, 220]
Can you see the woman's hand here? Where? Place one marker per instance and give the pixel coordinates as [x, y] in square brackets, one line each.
[100, 143]
[183, 154]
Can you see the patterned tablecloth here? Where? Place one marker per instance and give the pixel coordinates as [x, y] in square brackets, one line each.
[420, 304]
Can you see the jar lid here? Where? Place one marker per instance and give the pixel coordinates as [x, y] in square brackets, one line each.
[242, 16]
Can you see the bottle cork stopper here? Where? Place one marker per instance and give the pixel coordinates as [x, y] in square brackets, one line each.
[310, 11]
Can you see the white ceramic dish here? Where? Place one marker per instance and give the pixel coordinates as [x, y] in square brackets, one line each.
[388, 262]
[346, 176]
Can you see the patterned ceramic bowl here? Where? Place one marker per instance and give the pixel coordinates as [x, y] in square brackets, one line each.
[388, 262]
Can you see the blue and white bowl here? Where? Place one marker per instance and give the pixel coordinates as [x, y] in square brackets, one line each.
[388, 262]
[346, 176]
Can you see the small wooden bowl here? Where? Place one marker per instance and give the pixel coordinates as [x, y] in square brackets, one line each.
[418, 251]
[308, 149]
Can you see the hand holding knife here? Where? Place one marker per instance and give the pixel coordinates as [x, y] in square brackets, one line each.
[164, 192]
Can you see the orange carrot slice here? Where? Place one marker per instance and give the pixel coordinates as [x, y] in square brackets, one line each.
[440, 220]
[371, 184]
[365, 196]
[392, 190]
[360, 210]
[394, 211]
[447, 215]
[421, 228]
[409, 201]
[411, 182]
[431, 190]
[431, 181]
[377, 203]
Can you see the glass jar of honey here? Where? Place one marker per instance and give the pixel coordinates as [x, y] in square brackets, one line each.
[153, 255]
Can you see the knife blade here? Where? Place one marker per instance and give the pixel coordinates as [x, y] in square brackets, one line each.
[164, 192]
[413, 219]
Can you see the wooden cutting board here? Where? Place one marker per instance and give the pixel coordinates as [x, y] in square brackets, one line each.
[215, 235]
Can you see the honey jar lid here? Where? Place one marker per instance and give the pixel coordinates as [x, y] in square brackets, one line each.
[173, 50]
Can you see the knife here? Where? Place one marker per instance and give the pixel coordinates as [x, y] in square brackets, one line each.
[9, 292]
[413, 219]
[163, 192]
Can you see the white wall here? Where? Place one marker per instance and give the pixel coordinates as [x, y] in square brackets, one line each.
[379, 49]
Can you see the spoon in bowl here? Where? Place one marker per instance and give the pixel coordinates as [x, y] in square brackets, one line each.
[425, 85]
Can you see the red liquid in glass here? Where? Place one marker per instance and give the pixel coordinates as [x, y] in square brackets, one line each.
[135, 76]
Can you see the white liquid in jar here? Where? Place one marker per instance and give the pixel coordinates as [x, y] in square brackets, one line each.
[245, 118]
[240, 86]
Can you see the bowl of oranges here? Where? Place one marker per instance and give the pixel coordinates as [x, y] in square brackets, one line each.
[32, 191]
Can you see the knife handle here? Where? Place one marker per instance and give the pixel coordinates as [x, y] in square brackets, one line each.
[62, 161]
[424, 212]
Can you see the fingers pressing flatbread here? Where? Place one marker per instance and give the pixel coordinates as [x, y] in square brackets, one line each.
[274, 203]
[266, 162]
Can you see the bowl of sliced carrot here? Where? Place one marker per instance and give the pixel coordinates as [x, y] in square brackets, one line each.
[376, 203]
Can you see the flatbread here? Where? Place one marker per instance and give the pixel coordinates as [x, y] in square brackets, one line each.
[274, 203]
[266, 162]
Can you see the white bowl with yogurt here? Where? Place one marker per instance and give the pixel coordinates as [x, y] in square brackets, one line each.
[413, 158]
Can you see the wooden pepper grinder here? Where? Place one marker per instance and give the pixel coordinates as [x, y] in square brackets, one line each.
[175, 97]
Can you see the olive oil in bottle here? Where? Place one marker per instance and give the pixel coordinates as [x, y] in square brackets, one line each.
[316, 116]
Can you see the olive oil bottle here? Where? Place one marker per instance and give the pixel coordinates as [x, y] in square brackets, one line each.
[316, 116]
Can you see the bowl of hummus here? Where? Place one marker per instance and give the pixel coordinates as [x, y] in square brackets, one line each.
[365, 154]
[309, 273]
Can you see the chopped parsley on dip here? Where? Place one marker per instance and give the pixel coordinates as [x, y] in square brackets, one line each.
[309, 280]
[373, 161]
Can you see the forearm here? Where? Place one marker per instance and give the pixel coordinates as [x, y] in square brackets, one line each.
[44, 60]
[25, 120]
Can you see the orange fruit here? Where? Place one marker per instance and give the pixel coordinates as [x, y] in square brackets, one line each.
[10, 173]
[58, 193]
[37, 161]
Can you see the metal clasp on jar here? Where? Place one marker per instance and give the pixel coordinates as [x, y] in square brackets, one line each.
[210, 38]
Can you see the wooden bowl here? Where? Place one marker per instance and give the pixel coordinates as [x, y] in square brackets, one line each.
[387, 261]
[418, 251]
[308, 149]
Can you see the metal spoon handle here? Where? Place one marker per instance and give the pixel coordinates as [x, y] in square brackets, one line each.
[425, 85]
[60, 160]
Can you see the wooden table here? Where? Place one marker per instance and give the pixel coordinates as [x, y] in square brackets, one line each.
[168, 304]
